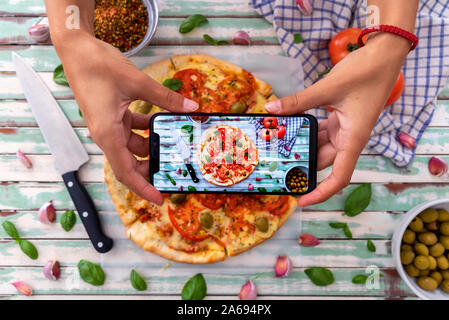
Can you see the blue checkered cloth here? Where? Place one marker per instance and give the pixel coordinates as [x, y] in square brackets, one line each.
[284, 145]
[426, 69]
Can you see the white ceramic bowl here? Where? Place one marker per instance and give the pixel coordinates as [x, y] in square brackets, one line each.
[437, 294]
[303, 169]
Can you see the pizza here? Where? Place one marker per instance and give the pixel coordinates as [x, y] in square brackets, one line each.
[199, 228]
[226, 155]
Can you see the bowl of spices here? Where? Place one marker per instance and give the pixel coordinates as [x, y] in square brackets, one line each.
[296, 179]
[128, 25]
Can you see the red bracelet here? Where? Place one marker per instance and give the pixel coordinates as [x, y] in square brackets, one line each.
[392, 29]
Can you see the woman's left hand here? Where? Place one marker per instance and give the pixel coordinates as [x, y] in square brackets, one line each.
[357, 89]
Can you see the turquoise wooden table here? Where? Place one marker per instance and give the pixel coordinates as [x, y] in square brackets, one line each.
[23, 191]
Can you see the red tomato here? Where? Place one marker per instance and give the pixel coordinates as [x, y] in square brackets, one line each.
[266, 134]
[343, 44]
[397, 90]
[281, 131]
[270, 122]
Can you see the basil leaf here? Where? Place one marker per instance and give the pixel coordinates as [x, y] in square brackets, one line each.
[337, 225]
[184, 173]
[172, 84]
[195, 288]
[187, 128]
[222, 42]
[273, 166]
[191, 23]
[320, 276]
[262, 189]
[358, 200]
[29, 249]
[173, 182]
[137, 281]
[228, 158]
[321, 74]
[191, 138]
[297, 38]
[359, 279]
[191, 188]
[370, 245]
[214, 42]
[11, 230]
[208, 159]
[59, 76]
[91, 273]
[347, 232]
[68, 220]
[262, 163]
[80, 113]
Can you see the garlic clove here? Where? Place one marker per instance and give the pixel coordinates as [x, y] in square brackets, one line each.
[308, 240]
[24, 159]
[437, 166]
[406, 140]
[52, 270]
[23, 288]
[39, 32]
[250, 187]
[248, 291]
[305, 6]
[283, 266]
[47, 213]
[241, 37]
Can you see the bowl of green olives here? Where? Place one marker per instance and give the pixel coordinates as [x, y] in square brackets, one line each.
[420, 248]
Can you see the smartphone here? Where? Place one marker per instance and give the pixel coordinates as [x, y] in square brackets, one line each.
[233, 153]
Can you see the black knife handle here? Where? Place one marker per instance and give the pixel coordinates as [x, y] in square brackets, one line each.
[192, 173]
[87, 212]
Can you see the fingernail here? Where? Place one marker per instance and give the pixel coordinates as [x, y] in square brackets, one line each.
[274, 106]
[190, 105]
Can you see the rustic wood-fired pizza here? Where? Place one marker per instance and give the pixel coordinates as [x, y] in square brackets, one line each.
[199, 228]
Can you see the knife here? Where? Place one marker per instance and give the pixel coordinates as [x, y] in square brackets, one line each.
[185, 153]
[68, 152]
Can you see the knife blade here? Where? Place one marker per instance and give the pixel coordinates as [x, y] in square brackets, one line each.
[65, 146]
[185, 153]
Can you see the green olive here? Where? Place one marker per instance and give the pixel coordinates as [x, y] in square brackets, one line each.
[433, 226]
[432, 263]
[140, 106]
[445, 286]
[416, 225]
[411, 270]
[206, 220]
[443, 263]
[406, 247]
[445, 242]
[409, 236]
[444, 228]
[437, 276]
[421, 248]
[262, 224]
[407, 257]
[443, 215]
[239, 107]
[437, 249]
[421, 262]
[427, 283]
[178, 198]
[428, 238]
[445, 274]
[429, 215]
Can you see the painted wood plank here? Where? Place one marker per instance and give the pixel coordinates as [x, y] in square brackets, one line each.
[166, 8]
[386, 197]
[16, 113]
[435, 141]
[260, 30]
[168, 283]
[374, 169]
[369, 225]
[330, 253]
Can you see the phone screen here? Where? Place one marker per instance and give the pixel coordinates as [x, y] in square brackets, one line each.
[233, 153]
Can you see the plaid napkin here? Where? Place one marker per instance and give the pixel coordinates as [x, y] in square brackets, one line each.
[284, 145]
[426, 69]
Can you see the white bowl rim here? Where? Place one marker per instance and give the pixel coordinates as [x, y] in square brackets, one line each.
[303, 168]
[397, 240]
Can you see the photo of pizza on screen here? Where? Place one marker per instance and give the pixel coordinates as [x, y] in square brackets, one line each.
[232, 153]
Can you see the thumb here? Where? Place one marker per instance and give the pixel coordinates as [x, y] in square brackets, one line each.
[152, 91]
[318, 94]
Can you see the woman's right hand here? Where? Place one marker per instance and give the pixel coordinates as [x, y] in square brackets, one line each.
[104, 83]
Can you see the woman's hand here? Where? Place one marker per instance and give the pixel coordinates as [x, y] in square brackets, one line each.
[104, 83]
[357, 89]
